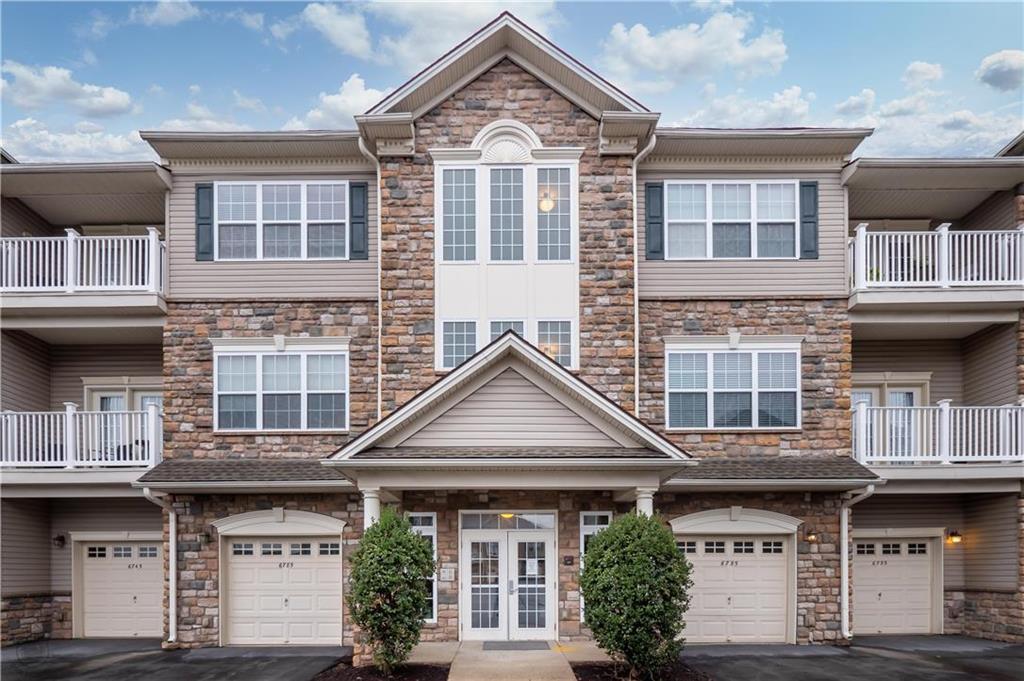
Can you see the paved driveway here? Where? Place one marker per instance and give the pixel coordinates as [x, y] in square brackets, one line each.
[130, 660]
[888, 658]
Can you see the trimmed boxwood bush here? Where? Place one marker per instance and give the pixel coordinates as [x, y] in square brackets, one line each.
[389, 569]
[635, 586]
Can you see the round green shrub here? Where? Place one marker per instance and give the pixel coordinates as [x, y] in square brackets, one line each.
[635, 585]
[388, 599]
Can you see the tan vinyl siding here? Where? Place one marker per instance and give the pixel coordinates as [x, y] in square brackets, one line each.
[94, 515]
[25, 374]
[192, 280]
[17, 219]
[509, 411]
[924, 511]
[70, 363]
[996, 212]
[990, 533]
[752, 278]
[25, 568]
[990, 366]
[941, 357]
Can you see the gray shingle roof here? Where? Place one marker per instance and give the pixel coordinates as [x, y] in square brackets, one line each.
[509, 453]
[777, 468]
[241, 470]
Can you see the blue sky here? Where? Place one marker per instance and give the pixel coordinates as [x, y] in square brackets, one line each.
[934, 79]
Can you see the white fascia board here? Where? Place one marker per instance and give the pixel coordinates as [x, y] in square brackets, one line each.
[770, 484]
[508, 343]
[499, 463]
[246, 485]
[745, 341]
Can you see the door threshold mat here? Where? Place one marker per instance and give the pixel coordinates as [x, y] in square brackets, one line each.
[516, 645]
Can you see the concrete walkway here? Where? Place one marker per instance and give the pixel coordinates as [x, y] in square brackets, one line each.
[470, 662]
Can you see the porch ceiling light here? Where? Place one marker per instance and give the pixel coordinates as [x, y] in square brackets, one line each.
[546, 197]
[507, 516]
[954, 537]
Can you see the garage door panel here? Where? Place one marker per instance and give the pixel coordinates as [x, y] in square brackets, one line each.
[739, 593]
[291, 597]
[892, 586]
[121, 589]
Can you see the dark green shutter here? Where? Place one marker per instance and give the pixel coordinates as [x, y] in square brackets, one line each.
[654, 207]
[204, 222]
[808, 220]
[358, 216]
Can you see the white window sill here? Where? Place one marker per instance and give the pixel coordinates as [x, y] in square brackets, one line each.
[790, 429]
[318, 431]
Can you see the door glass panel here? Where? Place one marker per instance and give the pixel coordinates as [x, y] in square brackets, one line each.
[901, 422]
[111, 402]
[531, 585]
[484, 585]
[146, 400]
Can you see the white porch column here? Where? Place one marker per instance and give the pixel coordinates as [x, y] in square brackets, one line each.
[860, 257]
[153, 253]
[944, 254]
[70, 430]
[645, 501]
[945, 430]
[371, 507]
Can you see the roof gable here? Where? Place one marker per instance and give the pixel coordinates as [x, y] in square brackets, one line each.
[498, 396]
[506, 37]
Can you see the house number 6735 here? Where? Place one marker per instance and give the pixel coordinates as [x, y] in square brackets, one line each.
[730, 562]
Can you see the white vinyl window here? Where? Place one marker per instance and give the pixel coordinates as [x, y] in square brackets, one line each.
[458, 343]
[591, 522]
[754, 385]
[458, 214]
[506, 214]
[425, 525]
[555, 340]
[731, 219]
[554, 214]
[281, 391]
[290, 220]
[501, 326]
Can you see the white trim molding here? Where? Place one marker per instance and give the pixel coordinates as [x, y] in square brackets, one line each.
[735, 520]
[128, 535]
[279, 522]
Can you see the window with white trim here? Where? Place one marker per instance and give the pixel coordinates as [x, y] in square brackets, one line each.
[267, 390]
[501, 326]
[458, 214]
[749, 385]
[554, 214]
[285, 220]
[731, 219]
[591, 522]
[554, 338]
[425, 525]
[506, 214]
[458, 343]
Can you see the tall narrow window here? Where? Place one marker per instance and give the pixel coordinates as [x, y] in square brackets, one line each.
[554, 206]
[282, 392]
[458, 214]
[776, 220]
[236, 221]
[555, 340]
[326, 378]
[506, 214]
[687, 385]
[425, 525]
[686, 221]
[459, 342]
[327, 220]
[236, 392]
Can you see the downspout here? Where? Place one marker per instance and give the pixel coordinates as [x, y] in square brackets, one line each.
[844, 560]
[172, 564]
[380, 303]
[636, 277]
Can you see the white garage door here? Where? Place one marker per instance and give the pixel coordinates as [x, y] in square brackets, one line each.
[283, 590]
[122, 589]
[740, 590]
[892, 586]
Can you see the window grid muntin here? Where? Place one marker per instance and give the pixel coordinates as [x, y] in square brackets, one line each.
[891, 549]
[714, 547]
[96, 552]
[301, 549]
[771, 547]
[507, 214]
[458, 342]
[686, 546]
[917, 549]
[743, 546]
[329, 549]
[550, 332]
[123, 552]
[867, 549]
[259, 392]
[676, 374]
[257, 222]
[679, 219]
[500, 326]
[458, 214]
[554, 228]
[271, 549]
[147, 552]
[425, 525]
[242, 549]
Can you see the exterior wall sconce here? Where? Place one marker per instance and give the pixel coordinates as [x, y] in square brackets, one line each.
[954, 537]
[204, 539]
[811, 536]
[59, 541]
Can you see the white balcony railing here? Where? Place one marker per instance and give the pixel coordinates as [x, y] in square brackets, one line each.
[938, 259]
[939, 434]
[80, 439]
[83, 263]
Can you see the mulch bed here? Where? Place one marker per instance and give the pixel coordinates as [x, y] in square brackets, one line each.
[407, 672]
[609, 671]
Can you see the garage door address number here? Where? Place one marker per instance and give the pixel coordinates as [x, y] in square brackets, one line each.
[286, 564]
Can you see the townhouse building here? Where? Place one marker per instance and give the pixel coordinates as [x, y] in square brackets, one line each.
[513, 306]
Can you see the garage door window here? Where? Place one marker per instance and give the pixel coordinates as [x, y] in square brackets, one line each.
[97, 552]
[241, 549]
[147, 552]
[865, 549]
[122, 552]
[771, 547]
[714, 547]
[743, 547]
[917, 549]
[687, 546]
[890, 549]
[330, 549]
[301, 550]
[270, 550]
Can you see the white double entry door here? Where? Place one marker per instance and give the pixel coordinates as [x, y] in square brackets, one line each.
[508, 585]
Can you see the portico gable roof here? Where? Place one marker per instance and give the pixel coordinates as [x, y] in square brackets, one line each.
[391, 442]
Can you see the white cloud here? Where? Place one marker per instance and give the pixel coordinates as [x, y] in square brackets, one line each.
[337, 109]
[712, 5]
[254, 104]
[89, 57]
[789, 107]
[916, 103]
[88, 127]
[251, 20]
[920, 74]
[1003, 70]
[194, 89]
[427, 30]
[97, 28]
[163, 13]
[36, 87]
[195, 110]
[857, 104]
[155, 89]
[633, 55]
[285, 27]
[345, 30]
[31, 140]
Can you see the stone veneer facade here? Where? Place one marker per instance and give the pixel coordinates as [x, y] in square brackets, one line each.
[605, 232]
[188, 373]
[826, 355]
[34, 617]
